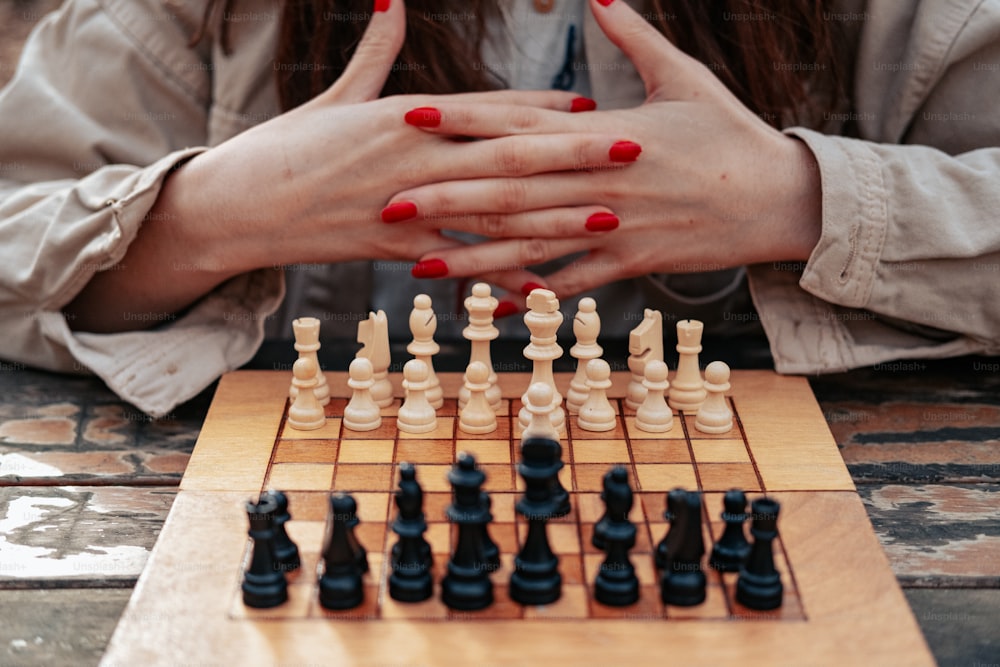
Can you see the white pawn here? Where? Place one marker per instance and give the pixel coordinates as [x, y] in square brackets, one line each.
[586, 328]
[416, 414]
[714, 416]
[477, 416]
[423, 324]
[597, 414]
[654, 415]
[539, 405]
[306, 413]
[362, 413]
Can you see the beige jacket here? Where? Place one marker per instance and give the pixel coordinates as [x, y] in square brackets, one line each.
[108, 97]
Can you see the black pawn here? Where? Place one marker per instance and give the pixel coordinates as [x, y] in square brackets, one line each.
[264, 584]
[467, 584]
[733, 547]
[285, 550]
[536, 579]
[410, 580]
[488, 548]
[683, 582]
[759, 584]
[616, 583]
[675, 500]
[541, 457]
[340, 586]
[597, 539]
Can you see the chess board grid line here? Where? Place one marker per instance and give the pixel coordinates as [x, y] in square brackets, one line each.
[738, 422]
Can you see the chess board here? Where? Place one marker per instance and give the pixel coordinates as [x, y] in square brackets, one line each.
[841, 604]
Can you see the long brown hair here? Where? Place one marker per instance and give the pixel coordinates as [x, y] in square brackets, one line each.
[782, 59]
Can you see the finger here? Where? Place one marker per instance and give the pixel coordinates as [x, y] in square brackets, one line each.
[668, 72]
[369, 68]
[490, 118]
[551, 223]
[493, 257]
[589, 272]
[557, 100]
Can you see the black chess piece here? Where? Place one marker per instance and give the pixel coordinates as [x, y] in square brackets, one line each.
[340, 585]
[285, 550]
[683, 582]
[410, 580]
[616, 584]
[490, 550]
[597, 538]
[733, 547]
[759, 584]
[675, 500]
[557, 491]
[536, 579]
[264, 584]
[467, 584]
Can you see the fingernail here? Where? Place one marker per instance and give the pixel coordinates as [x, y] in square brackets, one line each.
[624, 151]
[605, 2]
[400, 211]
[505, 309]
[423, 117]
[582, 104]
[527, 287]
[383, 5]
[602, 222]
[429, 268]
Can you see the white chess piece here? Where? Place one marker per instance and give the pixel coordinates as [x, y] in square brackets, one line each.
[645, 343]
[539, 397]
[361, 413]
[714, 416]
[306, 330]
[423, 324]
[586, 328]
[687, 391]
[543, 319]
[305, 414]
[477, 416]
[480, 331]
[654, 415]
[373, 334]
[416, 415]
[597, 413]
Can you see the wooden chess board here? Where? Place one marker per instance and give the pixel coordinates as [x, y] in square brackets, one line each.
[842, 604]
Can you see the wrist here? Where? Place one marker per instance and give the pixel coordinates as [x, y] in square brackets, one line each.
[802, 197]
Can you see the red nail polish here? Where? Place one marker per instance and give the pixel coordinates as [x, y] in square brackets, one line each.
[505, 309]
[624, 151]
[423, 117]
[429, 268]
[381, 5]
[582, 104]
[602, 222]
[528, 286]
[400, 211]
[605, 2]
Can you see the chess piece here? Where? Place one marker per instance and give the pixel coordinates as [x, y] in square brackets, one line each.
[536, 579]
[361, 412]
[467, 584]
[306, 331]
[714, 415]
[264, 584]
[617, 584]
[373, 334]
[539, 406]
[586, 328]
[683, 583]
[687, 392]
[675, 501]
[597, 413]
[759, 584]
[285, 551]
[733, 547]
[487, 547]
[416, 415]
[654, 415]
[345, 561]
[545, 454]
[543, 319]
[645, 343]
[410, 580]
[480, 331]
[597, 538]
[305, 414]
[423, 324]
[477, 416]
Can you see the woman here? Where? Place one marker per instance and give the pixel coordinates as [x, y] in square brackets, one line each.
[859, 252]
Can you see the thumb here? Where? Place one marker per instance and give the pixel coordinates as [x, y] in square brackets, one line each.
[668, 72]
[369, 68]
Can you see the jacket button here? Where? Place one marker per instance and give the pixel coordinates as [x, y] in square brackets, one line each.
[544, 6]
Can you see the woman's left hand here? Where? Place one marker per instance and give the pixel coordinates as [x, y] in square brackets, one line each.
[713, 187]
